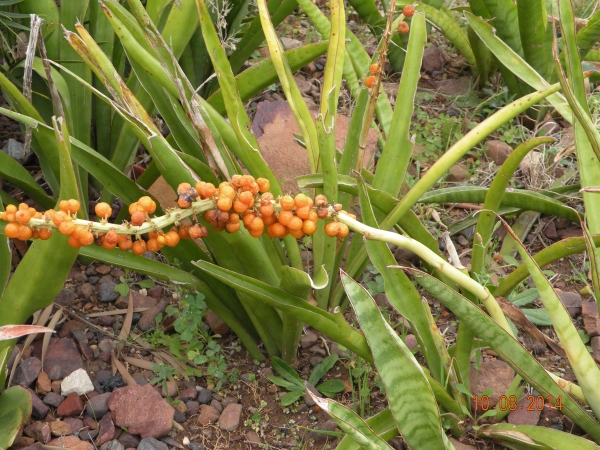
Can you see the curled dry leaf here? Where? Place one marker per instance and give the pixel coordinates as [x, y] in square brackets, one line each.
[15, 331]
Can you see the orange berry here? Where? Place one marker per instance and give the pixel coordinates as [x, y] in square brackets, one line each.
[247, 218]
[9, 217]
[312, 216]
[224, 203]
[246, 181]
[86, 238]
[198, 187]
[11, 209]
[284, 217]
[403, 27]
[208, 190]
[63, 205]
[232, 227]
[197, 231]
[223, 216]
[303, 212]
[11, 230]
[135, 207]
[286, 202]
[67, 226]
[267, 197]
[111, 237]
[58, 217]
[38, 215]
[342, 230]
[45, 234]
[278, 229]
[73, 242]
[337, 207]
[370, 81]
[22, 216]
[320, 200]
[125, 243]
[138, 247]
[183, 203]
[35, 234]
[309, 227]
[105, 245]
[408, 11]
[295, 224]
[153, 245]
[332, 229]
[210, 215]
[148, 204]
[226, 191]
[256, 224]
[298, 234]
[25, 233]
[322, 213]
[253, 188]
[234, 218]
[256, 233]
[263, 184]
[269, 220]
[138, 218]
[103, 210]
[183, 188]
[78, 231]
[267, 210]
[301, 200]
[247, 198]
[74, 206]
[183, 232]
[236, 181]
[373, 69]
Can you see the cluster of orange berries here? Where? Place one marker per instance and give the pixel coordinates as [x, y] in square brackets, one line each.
[18, 218]
[238, 203]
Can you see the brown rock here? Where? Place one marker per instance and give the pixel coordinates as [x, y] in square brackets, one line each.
[230, 417]
[139, 301]
[550, 231]
[27, 372]
[253, 438]
[129, 440]
[62, 358]
[189, 393]
[72, 406]
[147, 320]
[60, 428]
[570, 232]
[304, 85]
[67, 327]
[498, 151]
[522, 415]
[171, 389]
[103, 269]
[70, 442]
[38, 410]
[23, 441]
[36, 446]
[155, 292]
[595, 343]
[216, 325]
[411, 342]
[43, 385]
[495, 375]
[275, 125]
[208, 415]
[55, 386]
[76, 423]
[453, 86]
[591, 322]
[571, 301]
[432, 59]
[141, 410]
[106, 430]
[40, 431]
[457, 173]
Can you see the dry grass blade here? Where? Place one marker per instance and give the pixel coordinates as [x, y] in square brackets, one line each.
[137, 362]
[122, 370]
[115, 312]
[180, 367]
[36, 24]
[126, 324]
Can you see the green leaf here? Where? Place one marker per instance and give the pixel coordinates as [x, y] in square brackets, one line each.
[322, 368]
[145, 283]
[331, 387]
[16, 397]
[382, 424]
[525, 298]
[291, 397]
[284, 369]
[122, 289]
[411, 399]
[10, 425]
[286, 384]
[525, 434]
[538, 316]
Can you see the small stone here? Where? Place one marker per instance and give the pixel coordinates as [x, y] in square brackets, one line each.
[595, 344]
[54, 400]
[85, 290]
[411, 342]
[107, 345]
[97, 406]
[179, 417]
[215, 404]
[27, 372]
[216, 324]
[112, 383]
[189, 393]
[106, 430]
[15, 150]
[72, 406]
[129, 440]
[204, 396]
[70, 442]
[228, 401]
[103, 269]
[62, 358]
[252, 437]
[457, 173]
[39, 410]
[308, 339]
[432, 59]
[117, 272]
[147, 320]
[524, 415]
[208, 415]
[289, 43]
[591, 322]
[107, 292]
[40, 431]
[43, 385]
[138, 300]
[495, 375]
[112, 445]
[78, 382]
[571, 301]
[75, 423]
[24, 441]
[453, 86]
[88, 434]
[60, 428]
[106, 321]
[193, 446]
[550, 231]
[498, 151]
[315, 360]
[193, 408]
[180, 406]
[230, 417]
[66, 297]
[56, 386]
[531, 162]
[152, 444]
[155, 292]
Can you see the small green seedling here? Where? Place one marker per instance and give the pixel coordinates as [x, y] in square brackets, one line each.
[127, 281]
[295, 385]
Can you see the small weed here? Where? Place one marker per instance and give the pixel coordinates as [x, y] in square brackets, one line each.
[127, 281]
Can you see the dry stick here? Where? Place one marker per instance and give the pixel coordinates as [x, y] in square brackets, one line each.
[364, 134]
[36, 24]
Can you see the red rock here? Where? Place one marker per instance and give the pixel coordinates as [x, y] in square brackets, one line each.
[147, 320]
[106, 430]
[36, 446]
[67, 327]
[141, 410]
[155, 292]
[89, 422]
[498, 151]
[432, 59]
[523, 415]
[569, 233]
[72, 406]
[571, 301]
[591, 321]
[216, 325]
[495, 375]
[457, 173]
[27, 372]
[70, 442]
[230, 417]
[62, 359]
[208, 415]
[103, 269]
[40, 431]
[43, 385]
[76, 424]
[139, 301]
[189, 393]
